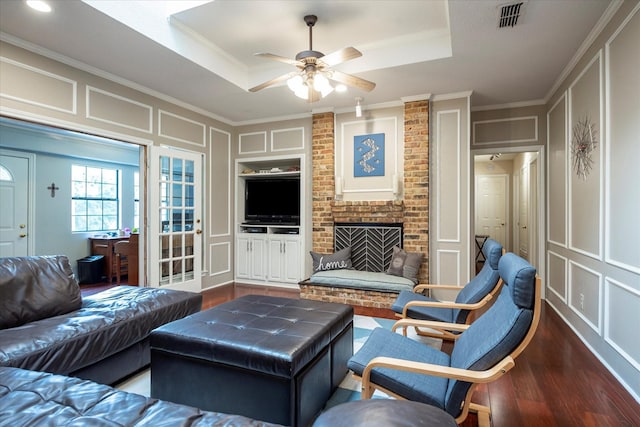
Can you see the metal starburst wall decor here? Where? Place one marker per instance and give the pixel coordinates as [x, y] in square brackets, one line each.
[583, 145]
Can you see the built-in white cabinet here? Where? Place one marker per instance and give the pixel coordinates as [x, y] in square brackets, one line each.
[251, 256]
[284, 258]
[268, 252]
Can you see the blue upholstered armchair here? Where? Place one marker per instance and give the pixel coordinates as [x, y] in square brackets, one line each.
[472, 296]
[484, 351]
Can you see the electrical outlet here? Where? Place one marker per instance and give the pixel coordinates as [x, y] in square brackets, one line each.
[581, 301]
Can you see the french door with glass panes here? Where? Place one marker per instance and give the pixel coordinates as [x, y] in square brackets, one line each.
[175, 219]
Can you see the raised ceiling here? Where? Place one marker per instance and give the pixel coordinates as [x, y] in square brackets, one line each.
[203, 55]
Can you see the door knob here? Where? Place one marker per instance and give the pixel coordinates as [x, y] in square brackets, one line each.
[23, 235]
[23, 225]
[198, 231]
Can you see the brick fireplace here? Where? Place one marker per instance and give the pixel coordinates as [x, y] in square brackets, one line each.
[412, 212]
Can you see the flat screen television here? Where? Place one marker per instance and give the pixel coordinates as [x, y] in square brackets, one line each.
[272, 201]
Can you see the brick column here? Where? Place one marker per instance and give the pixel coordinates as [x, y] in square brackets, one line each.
[416, 181]
[323, 186]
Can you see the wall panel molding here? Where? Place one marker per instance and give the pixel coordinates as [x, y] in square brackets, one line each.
[449, 267]
[287, 139]
[557, 201]
[557, 273]
[621, 303]
[225, 159]
[20, 81]
[447, 168]
[585, 225]
[181, 129]
[622, 62]
[219, 258]
[110, 108]
[510, 130]
[253, 142]
[585, 294]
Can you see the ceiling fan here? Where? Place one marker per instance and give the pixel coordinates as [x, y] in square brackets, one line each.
[312, 79]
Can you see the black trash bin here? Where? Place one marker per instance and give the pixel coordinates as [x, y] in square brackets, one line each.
[90, 269]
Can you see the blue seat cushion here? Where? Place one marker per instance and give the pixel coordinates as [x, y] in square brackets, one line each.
[417, 387]
[423, 313]
[365, 280]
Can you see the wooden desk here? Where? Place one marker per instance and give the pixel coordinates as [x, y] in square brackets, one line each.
[104, 246]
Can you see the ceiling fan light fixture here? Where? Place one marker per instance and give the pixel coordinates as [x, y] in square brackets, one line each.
[315, 76]
[295, 83]
[321, 84]
[358, 107]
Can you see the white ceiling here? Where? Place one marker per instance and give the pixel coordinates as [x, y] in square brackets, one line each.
[204, 56]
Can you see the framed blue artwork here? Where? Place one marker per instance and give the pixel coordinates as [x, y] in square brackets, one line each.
[368, 155]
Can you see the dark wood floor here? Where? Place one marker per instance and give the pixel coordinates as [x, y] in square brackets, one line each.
[557, 381]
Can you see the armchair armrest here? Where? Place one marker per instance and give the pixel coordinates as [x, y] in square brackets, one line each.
[447, 304]
[478, 377]
[425, 286]
[433, 324]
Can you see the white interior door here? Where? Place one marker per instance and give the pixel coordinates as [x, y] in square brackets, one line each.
[491, 207]
[14, 204]
[175, 209]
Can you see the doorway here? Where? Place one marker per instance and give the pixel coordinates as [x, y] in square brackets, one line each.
[508, 202]
[60, 220]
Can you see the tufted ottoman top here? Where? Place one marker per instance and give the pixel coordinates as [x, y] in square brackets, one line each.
[277, 336]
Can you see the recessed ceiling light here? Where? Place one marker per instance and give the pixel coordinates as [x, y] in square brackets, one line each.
[39, 5]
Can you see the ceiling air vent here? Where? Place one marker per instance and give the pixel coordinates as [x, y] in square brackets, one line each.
[509, 14]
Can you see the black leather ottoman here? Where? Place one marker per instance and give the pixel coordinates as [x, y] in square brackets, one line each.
[268, 358]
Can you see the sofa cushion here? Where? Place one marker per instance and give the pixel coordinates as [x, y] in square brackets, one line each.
[364, 280]
[34, 288]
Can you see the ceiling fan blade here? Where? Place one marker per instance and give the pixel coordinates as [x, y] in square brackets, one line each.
[272, 82]
[278, 58]
[350, 80]
[339, 56]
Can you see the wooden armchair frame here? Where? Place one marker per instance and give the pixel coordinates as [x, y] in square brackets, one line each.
[444, 332]
[474, 377]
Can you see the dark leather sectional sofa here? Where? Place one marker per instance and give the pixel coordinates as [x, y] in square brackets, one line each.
[45, 324]
[29, 398]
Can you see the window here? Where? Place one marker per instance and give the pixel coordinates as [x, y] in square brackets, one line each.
[94, 199]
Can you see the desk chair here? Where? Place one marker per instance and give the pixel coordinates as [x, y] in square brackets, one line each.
[121, 249]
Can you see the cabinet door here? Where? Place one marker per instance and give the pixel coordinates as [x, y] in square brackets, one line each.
[292, 262]
[258, 256]
[243, 261]
[276, 258]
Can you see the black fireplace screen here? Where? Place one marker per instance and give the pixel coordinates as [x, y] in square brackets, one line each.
[371, 244]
